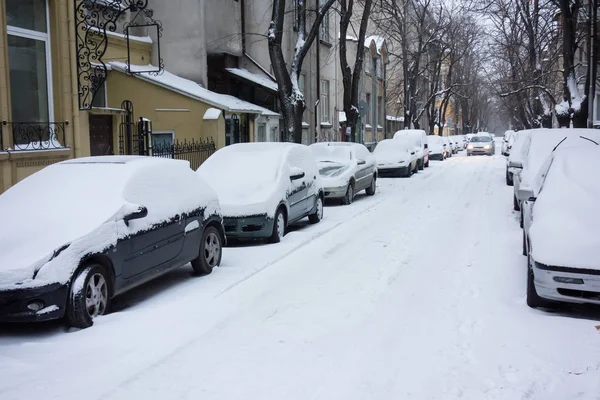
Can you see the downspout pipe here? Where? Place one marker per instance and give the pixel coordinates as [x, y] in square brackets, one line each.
[318, 41]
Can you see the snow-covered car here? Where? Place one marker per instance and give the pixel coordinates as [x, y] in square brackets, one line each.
[436, 148]
[538, 148]
[395, 158]
[480, 144]
[447, 147]
[344, 172]
[514, 162]
[469, 136]
[507, 142]
[264, 187]
[112, 224]
[419, 137]
[560, 231]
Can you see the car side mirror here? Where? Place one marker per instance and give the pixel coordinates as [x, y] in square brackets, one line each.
[296, 173]
[515, 164]
[361, 162]
[141, 212]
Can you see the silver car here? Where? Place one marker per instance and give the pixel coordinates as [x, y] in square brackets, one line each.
[560, 224]
[345, 169]
[481, 144]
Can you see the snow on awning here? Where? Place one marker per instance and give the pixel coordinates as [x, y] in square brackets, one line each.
[194, 90]
[260, 80]
[396, 119]
[342, 117]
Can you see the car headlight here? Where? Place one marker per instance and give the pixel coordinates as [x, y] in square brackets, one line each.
[487, 147]
[470, 147]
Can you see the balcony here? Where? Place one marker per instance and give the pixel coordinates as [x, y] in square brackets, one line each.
[36, 136]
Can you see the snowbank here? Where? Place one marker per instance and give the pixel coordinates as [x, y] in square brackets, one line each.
[564, 231]
[81, 203]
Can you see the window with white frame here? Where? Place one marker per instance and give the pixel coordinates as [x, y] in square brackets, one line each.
[301, 86]
[368, 113]
[29, 60]
[325, 117]
[379, 68]
[325, 25]
[100, 99]
[261, 136]
[598, 107]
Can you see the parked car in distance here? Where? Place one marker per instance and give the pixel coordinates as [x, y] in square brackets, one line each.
[114, 223]
[264, 187]
[538, 148]
[419, 137]
[395, 158]
[447, 146]
[343, 172]
[436, 148]
[468, 136]
[480, 144]
[560, 230]
[507, 141]
[514, 162]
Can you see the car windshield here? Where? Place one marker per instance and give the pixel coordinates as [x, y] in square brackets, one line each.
[341, 154]
[481, 139]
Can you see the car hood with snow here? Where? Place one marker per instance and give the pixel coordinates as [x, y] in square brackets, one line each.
[564, 230]
[336, 164]
[76, 208]
[392, 153]
[251, 179]
[435, 144]
[417, 137]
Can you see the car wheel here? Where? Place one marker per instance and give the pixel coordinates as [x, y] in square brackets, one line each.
[533, 299]
[89, 296]
[409, 171]
[516, 205]
[349, 197]
[373, 187]
[421, 165]
[521, 220]
[278, 227]
[211, 250]
[524, 244]
[318, 215]
[509, 181]
[427, 164]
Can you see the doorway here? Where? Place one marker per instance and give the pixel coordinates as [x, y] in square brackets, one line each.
[101, 135]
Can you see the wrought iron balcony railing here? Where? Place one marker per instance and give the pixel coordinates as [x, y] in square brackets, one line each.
[37, 135]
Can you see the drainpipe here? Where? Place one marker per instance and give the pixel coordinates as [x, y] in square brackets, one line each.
[318, 41]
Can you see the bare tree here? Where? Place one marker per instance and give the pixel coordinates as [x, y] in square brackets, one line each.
[351, 76]
[292, 99]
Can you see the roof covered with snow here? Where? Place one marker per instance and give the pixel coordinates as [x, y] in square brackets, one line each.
[260, 80]
[378, 40]
[192, 89]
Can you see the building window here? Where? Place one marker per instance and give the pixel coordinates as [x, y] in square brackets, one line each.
[379, 69]
[100, 99]
[163, 138]
[301, 86]
[368, 105]
[379, 111]
[29, 60]
[325, 117]
[325, 28]
[262, 133]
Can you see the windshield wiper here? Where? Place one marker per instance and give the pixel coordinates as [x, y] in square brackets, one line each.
[587, 138]
[559, 143]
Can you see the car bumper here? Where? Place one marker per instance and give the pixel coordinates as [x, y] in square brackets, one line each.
[335, 192]
[254, 227]
[13, 303]
[476, 152]
[392, 172]
[553, 283]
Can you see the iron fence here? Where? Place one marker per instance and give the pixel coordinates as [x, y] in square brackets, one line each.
[37, 135]
[196, 152]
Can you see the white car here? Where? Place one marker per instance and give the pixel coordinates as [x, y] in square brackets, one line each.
[264, 187]
[507, 142]
[560, 232]
[514, 163]
[344, 172]
[419, 138]
[538, 147]
[436, 148]
[395, 158]
[447, 146]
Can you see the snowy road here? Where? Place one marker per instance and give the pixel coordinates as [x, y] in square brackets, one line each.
[415, 293]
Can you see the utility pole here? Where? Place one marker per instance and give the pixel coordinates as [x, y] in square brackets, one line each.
[592, 67]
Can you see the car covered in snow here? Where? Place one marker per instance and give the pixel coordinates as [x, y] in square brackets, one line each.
[345, 170]
[481, 144]
[507, 142]
[448, 149]
[419, 138]
[111, 223]
[537, 149]
[560, 230]
[264, 187]
[436, 148]
[514, 162]
[396, 158]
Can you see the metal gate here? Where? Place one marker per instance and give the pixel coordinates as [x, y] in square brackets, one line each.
[134, 135]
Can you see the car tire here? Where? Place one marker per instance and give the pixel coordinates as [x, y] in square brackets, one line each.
[211, 251]
[524, 244]
[509, 181]
[89, 296]
[318, 215]
[279, 225]
[516, 205]
[421, 165]
[409, 172]
[349, 196]
[373, 187]
[427, 164]
[533, 299]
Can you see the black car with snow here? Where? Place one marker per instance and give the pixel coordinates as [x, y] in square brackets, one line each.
[110, 224]
[264, 187]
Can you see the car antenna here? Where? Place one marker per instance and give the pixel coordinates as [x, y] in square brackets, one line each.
[559, 143]
[587, 138]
